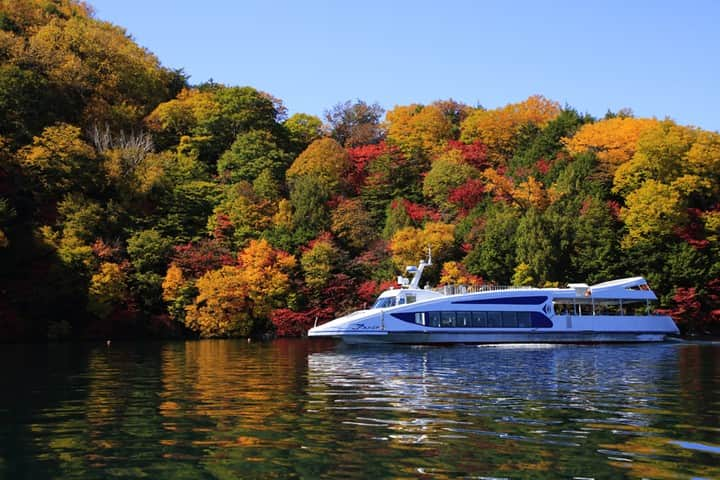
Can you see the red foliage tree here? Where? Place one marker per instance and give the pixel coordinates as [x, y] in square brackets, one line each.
[361, 156]
[223, 227]
[695, 309]
[370, 289]
[339, 297]
[195, 259]
[473, 153]
[289, 323]
[467, 195]
[105, 251]
[614, 209]
[543, 166]
[693, 232]
[420, 213]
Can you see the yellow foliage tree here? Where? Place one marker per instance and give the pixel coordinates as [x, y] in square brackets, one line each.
[498, 128]
[703, 158]
[417, 128]
[118, 78]
[172, 283]
[283, 217]
[455, 273]
[326, 160]
[532, 193]
[58, 158]
[522, 275]
[501, 186]
[408, 245]
[614, 140]
[711, 221]
[180, 115]
[661, 154]
[107, 288]
[651, 211]
[221, 308]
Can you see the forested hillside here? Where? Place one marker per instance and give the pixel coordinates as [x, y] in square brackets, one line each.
[134, 204]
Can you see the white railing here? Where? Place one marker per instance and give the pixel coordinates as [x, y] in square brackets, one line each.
[463, 289]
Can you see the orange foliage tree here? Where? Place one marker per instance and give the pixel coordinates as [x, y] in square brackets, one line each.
[614, 141]
[530, 193]
[498, 128]
[235, 299]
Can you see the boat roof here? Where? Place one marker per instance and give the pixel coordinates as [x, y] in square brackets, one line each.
[626, 288]
[632, 288]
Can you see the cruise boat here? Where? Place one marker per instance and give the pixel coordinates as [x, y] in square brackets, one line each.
[614, 311]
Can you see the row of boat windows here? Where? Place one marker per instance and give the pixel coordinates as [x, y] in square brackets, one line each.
[474, 319]
[604, 308]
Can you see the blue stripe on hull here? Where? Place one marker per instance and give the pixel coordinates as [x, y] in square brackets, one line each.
[534, 300]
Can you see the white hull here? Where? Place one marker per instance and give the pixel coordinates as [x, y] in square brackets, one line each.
[496, 338]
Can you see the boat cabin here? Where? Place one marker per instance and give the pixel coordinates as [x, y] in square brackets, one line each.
[402, 296]
[629, 296]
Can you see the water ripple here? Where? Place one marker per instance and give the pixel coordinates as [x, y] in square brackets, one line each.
[301, 409]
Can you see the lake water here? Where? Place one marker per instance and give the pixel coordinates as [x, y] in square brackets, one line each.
[314, 409]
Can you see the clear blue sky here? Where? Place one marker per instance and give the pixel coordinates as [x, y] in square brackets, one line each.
[659, 58]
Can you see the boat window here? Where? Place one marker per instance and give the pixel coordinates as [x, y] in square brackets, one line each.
[448, 319]
[434, 319]
[586, 309]
[410, 298]
[494, 319]
[479, 319]
[509, 320]
[463, 319]
[385, 302]
[401, 300]
[562, 308]
[523, 319]
[420, 318]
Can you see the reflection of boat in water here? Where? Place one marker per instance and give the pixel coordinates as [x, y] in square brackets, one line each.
[615, 311]
[599, 404]
[565, 376]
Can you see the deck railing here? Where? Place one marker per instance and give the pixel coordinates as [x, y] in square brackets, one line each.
[463, 289]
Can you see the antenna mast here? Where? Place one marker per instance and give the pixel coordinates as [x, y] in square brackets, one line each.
[415, 283]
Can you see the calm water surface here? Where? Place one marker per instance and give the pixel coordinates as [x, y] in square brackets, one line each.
[313, 409]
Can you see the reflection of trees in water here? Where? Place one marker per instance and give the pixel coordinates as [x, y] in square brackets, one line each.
[102, 418]
[236, 403]
[687, 409]
[228, 409]
[38, 432]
